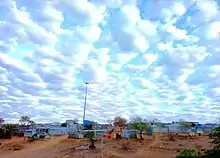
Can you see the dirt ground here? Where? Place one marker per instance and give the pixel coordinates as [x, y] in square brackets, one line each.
[156, 146]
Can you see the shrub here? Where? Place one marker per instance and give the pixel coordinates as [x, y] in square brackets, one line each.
[187, 153]
[216, 137]
[212, 153]
[215, 152]
[91, 138]
[5, 134]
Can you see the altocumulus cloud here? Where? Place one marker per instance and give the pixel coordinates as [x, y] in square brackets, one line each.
[157, 59]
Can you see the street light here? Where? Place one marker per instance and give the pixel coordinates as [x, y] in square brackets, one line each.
[84, 112]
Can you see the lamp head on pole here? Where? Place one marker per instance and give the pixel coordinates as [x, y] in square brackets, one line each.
[86, 82]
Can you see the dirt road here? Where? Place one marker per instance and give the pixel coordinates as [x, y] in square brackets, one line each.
[37, 149]
[156, 146]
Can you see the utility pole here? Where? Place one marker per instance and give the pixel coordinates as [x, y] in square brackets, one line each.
[84, 111]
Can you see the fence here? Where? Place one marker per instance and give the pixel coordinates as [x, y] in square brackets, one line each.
[207, 130]
[100, 133]
[178, 129]
[160, 129]
[97, 133]
[169, 129]
[126, 133]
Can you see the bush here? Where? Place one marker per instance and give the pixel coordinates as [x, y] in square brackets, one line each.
[91, 138]
[88, 134]
[5, 134]
[216, 137]
[187, 153]
[213, 153]
[17, 133]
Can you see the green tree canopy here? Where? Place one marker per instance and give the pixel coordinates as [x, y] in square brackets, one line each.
[139, 124]
[216, 137]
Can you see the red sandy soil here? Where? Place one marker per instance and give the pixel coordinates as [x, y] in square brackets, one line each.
[157, 146]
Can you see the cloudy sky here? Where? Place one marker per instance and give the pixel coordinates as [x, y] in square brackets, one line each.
[151, 58]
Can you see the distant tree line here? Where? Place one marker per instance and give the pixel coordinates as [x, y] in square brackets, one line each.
[17, 129]
[9, 129]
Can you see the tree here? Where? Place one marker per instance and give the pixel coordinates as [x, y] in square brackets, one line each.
[110, 122]
[91, 138]
[139, 124]
[7, 130]
[119, 121]
[25, 120]
[1, 121]
[32, 123]
[216, 137]
[9, 127]
[110, 126]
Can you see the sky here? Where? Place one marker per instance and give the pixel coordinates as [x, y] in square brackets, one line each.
[149, 58]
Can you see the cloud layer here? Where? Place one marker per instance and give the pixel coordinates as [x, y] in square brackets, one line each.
[153, 59]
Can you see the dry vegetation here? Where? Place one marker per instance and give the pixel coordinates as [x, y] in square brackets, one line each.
[156, 146]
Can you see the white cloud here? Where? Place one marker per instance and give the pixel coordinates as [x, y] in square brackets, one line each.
[140, 59]
[82, 12]
[177, 34]
[178, 8]
[188, 55]
[88, 34]
[214, 30]
[147, 27]
[93, 72]
[211, 6]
